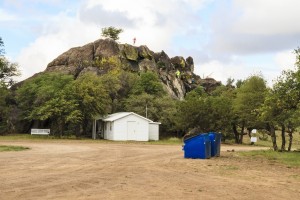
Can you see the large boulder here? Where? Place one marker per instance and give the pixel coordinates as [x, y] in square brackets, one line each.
[106, 48]
[163, 61]
[145, 65]
[190, 64]
[80, 60]
[178, 62]
[130, 52]
[144, 52]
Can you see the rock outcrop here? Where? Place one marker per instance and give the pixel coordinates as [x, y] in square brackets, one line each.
[83, 59]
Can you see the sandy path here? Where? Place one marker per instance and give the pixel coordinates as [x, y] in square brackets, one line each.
[89, 170]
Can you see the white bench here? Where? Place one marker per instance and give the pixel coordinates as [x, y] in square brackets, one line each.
[40, 131]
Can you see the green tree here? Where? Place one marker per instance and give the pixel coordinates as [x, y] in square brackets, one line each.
[148, 83]
[4, 109]
[205, 112]
[281, 106]
[249, 98]
[92, 98]
[45, 97]
[8, 70]
[111, 32]
[118, 83]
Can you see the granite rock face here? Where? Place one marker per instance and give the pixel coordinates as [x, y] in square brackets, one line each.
[80, 60]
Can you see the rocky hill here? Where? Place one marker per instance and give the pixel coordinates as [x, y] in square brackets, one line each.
[79, 60]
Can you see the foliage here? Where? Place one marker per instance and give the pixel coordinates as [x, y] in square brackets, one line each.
[12, 148]
[4, 109]
[7, 69]
[205, 112]
[118, 83]
[7, 72]
[249, 98]
[107, 64]
[148, 83]
[111, 32]
[90, 94]
[61, 100]
[45, 97]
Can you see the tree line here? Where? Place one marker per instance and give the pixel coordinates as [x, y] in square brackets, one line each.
[68, 105]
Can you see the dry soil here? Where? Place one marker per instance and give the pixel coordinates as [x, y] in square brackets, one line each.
[93, 170]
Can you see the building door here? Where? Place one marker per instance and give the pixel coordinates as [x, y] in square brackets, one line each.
[131, 130]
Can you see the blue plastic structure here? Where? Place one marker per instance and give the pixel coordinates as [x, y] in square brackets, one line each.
[215, 139]
[197, 147]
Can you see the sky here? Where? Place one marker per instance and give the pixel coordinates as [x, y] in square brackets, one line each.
[226, 38]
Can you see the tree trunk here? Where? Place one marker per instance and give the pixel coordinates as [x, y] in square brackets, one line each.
[282, 137]
[290, 141]
[236, 134]
[290, 133]
[242, 133]
[271, 129]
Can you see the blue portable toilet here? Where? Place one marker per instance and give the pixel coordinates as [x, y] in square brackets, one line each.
[198, 146]
[215, 139]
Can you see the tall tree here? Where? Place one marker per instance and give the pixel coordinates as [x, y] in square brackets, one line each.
[8, 71]
[250, 96]
[92, 98]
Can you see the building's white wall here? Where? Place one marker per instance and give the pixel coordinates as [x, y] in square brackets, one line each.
[109, 130]
[153, 131]
[120, 129]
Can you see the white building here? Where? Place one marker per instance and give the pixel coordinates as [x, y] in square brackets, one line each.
[126, 126]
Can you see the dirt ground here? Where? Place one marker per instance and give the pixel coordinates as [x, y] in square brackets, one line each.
[92, 170]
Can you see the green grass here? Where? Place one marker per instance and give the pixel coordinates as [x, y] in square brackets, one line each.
[268, 141]
[32, 137]
[288, 158]
[172, 140]
[12, 148]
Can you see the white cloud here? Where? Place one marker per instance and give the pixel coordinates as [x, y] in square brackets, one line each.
[59, 36]
[221, 72]
[285, 60]
[250, 27]
[268, 17]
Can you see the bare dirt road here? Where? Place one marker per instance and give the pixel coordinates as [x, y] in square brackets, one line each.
[92, 170]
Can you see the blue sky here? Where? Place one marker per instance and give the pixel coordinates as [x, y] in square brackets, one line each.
[226, 38]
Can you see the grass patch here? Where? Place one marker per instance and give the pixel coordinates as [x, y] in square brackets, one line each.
[12, 148]
[33, 137]
[172, 140]
[287, 158]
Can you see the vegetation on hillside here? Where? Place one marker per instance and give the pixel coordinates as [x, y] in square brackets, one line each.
[8, 71]
[68, 105]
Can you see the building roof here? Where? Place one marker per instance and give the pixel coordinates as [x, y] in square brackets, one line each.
[119, 115]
